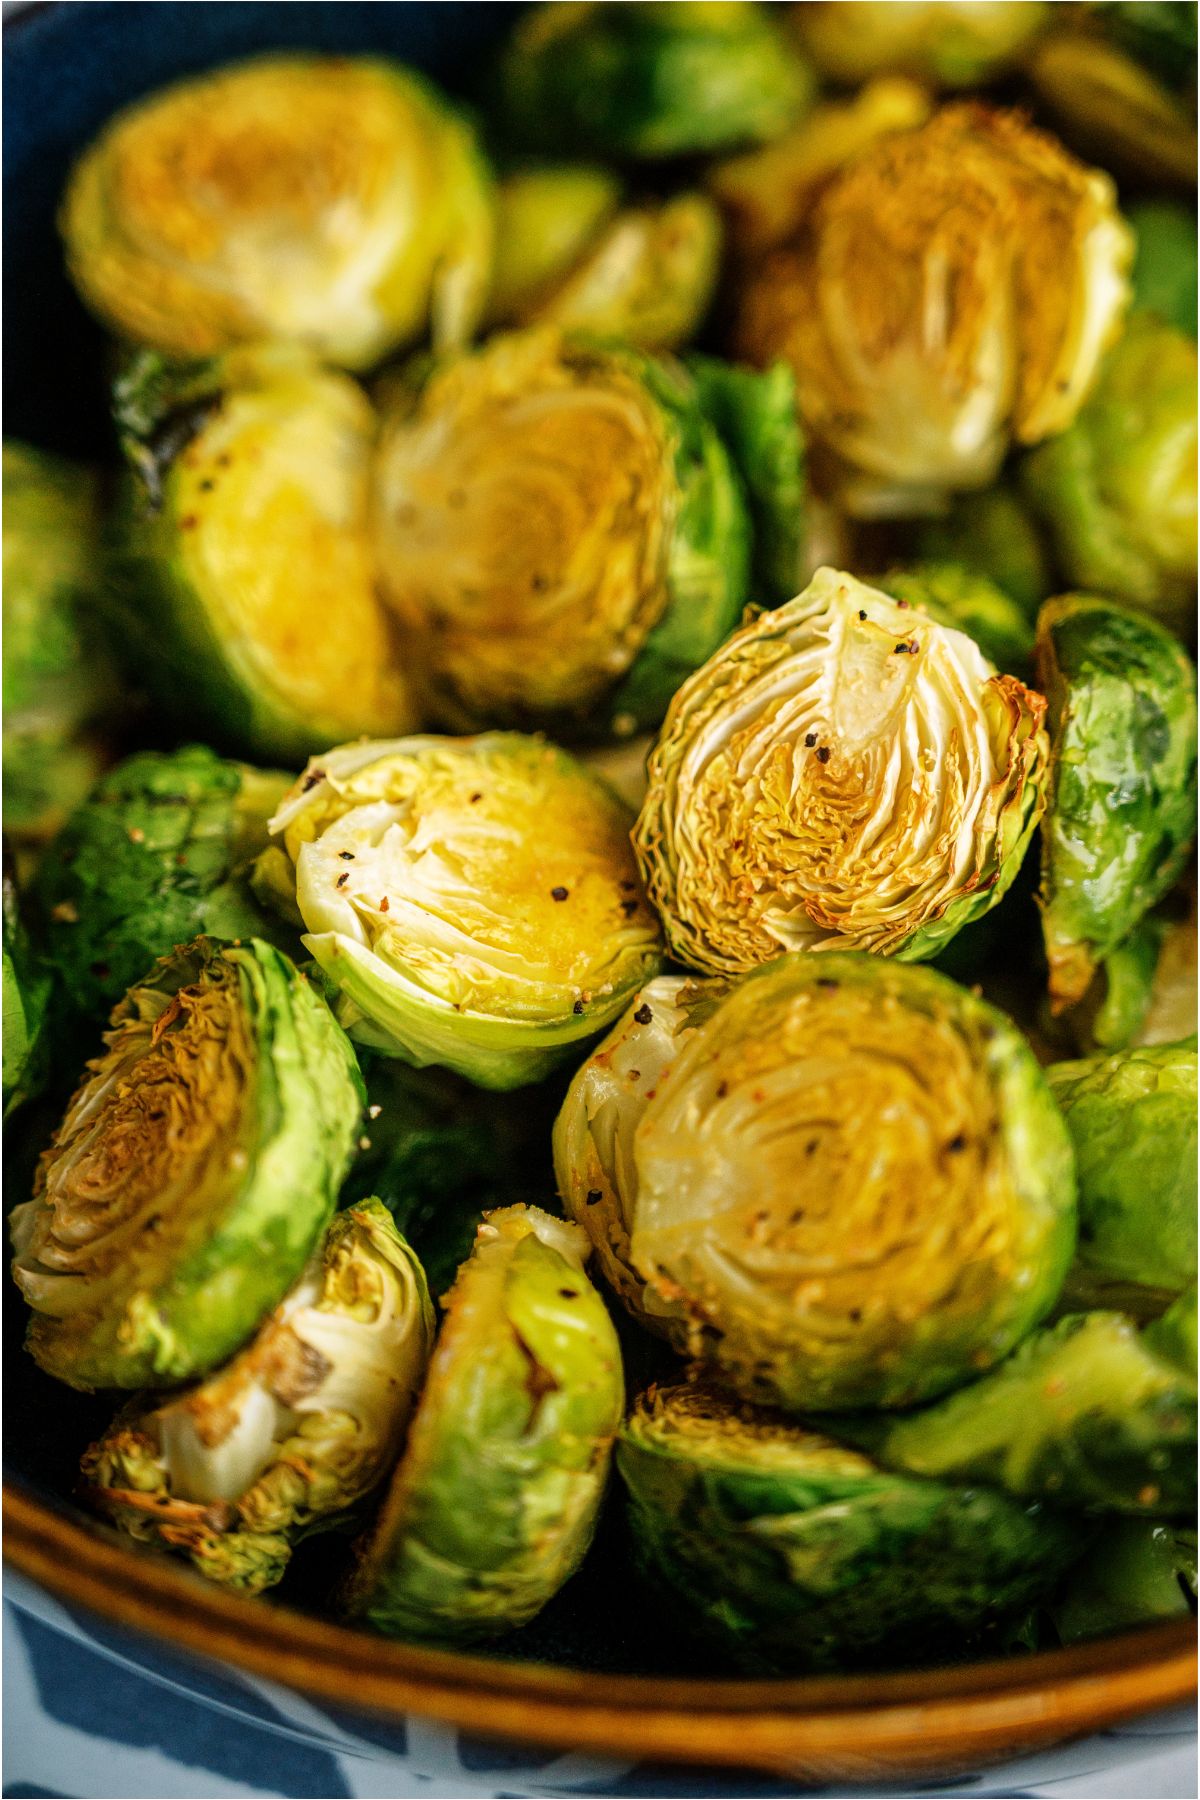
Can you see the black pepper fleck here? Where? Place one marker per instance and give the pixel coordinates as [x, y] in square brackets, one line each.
[558, 893]
[311, 780]
[862, 615]
[810, 739]
[342, 879]
[346, 855]
[578, 1007]
[643, 1015]
[824, 753]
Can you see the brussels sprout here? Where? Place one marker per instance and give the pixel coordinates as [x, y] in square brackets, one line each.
[561, 533]
[27, 990]
[968, 602]
[1171, 1013]
[840, 774]
[1086, 1412]
[242, 563]
[649, 81]
[1117, 1002]
[285, 1439]
[992, 534]
[158, 854]
[841, 1183]
[958, 222]
[1164, 271]
[1117, 493]
[335, 201]
[1108, 105]
[792, 1551]
[494, 1500]
[474, 900]
[1173, 1336]
[57, 678]
[568, 254]
[1132, 1119]
[955, 43]
[1122, 699]
[1136, 1572]
[192, 1174]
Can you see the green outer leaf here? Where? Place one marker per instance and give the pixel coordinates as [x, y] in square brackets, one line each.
[1132, 1119]
[27, 990]
[1137, 1571]
[994, 535]
[755, 413]
[158, 854]
[1127, 978]
[1164, 271]
[168, 1324]
[1085, 1413]
[796, 1553]
[1173, 1337]
[1122, 717]
[649, 81]
[495, 1498]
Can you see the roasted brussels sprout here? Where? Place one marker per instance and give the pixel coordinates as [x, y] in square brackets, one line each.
[967, 601]
[569, 254]
[1086, 1413]
[495, 1498]
[714, 1149]
[193, 1172]
[561, 534]
[792, 1551]
[58, 683]
[159, 853]
[1164, 271]
[1109, 97]
[649, 81]
[1137, 1571]
[336, 201]
[242, 565]
[285, 1439]
[1122, 699]
[26, 996]
[992, 534]
[474, 900]
[1117, 492]
[955, 43]
[844, 774]
[1132, 1119]
[958, 222]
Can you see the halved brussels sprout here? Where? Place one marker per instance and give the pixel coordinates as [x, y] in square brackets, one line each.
[474, 900]
[955, 43]
[569, 254]
[242, 558]
[1086, 1413]
[840, 1183]
[842, 773]
[1132, 1119]
[968, 602]
[193, 1172]
[561, 533]
[495, 1498]
[158, 853]
[336, 201]
[1164, 271]
[58, 681]
[792, 1551]
[992, 534]
[291, 1434]
[1117, 492]
[26, 995]
[950, 292]
[1122, 699]
[1108, 105]
[1136, 1572]
[649, 81]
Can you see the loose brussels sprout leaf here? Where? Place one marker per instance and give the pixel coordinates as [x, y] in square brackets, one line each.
[158, 854]
[970, 603]
[561, 534]
[1108, 106]
[649, 81]
[57, 678]
[1132, 1119]
[756, 416]
[335, 201]
[1122, 699]
[1137, 1571]
[842, 774]
[26, 996]
[291, 1434]
[994, 535]
[962, 219]
[475, 900]
[794, 1552]
[243, 569]
[955, 43]
[1164, 272]
[194, 1171]
[841, 1183]
[1085, 1413]
[495, 1498]
[1117, 493]
[643, 273]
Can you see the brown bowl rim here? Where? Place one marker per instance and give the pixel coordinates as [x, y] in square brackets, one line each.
[947, 1718]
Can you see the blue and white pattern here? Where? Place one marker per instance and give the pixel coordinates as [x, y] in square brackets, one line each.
[93, 1712]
